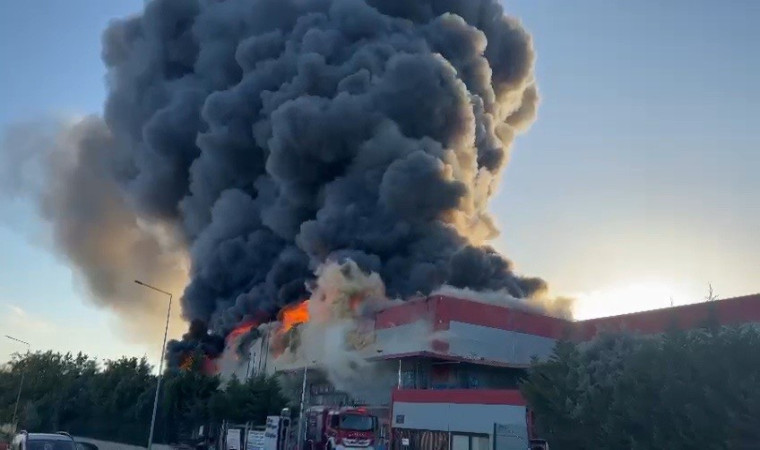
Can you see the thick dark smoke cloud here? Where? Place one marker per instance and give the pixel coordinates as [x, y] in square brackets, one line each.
[273, 135]
[197, 341]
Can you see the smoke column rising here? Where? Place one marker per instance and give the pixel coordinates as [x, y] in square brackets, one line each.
[57, 165]
[269, 136]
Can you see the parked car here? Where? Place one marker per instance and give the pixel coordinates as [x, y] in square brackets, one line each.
[43, 441]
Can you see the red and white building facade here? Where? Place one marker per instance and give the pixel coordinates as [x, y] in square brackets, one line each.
[459, 362]
[460, 384]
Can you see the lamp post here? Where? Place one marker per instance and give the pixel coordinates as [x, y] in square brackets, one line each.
[301, 415]
[21, 383]
[161, 363]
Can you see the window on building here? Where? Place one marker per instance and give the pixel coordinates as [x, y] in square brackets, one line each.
[480, 443]
[470, 442]
[460, 442]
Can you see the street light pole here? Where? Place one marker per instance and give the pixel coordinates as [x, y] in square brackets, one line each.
[301, 415]
[161, 363]
[21, 384]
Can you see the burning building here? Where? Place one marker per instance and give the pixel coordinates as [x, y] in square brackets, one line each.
[448, 364]
[246, 143]
[262, 153]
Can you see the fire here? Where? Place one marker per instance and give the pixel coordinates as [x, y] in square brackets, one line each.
[242, 329]
[187, 362]
[355, 300]
[293, 315]
[207, 366]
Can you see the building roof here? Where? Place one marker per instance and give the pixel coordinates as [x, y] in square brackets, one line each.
[730, 311]
[442, 310]
[456, 329]
[502, 335]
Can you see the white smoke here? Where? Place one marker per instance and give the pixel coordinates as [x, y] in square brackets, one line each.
[339, 336]
[560, 307]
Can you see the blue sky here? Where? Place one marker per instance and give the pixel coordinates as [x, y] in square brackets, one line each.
[637, 183]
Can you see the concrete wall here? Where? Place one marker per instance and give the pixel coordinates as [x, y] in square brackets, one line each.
[105, 445]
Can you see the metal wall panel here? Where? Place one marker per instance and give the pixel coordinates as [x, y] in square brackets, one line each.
[409, 338]
[509, 347]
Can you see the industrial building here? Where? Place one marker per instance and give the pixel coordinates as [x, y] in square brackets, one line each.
[459, 361]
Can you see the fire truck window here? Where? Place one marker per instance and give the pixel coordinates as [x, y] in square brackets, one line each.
[334, 421]
[357, 422]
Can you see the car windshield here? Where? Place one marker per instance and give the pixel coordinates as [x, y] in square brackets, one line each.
[49, 444]
[356, 422]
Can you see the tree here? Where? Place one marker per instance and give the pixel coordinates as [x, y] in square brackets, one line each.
[682, 390]
[114, 401]
[186, 400]
[55, 385]
[123, 400]
[71, 392]
[251, 401]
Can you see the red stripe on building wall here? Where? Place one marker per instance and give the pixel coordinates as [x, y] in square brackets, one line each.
[732, 311]
[449, 309]
[442, 310]
[460, 396]
[403, 314]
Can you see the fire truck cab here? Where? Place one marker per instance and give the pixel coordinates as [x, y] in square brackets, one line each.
[343, 428]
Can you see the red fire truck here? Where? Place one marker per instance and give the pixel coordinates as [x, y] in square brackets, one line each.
[339, 428]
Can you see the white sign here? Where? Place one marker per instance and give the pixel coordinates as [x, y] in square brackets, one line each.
[255, 440]
[233, 439]
[405, 442]
[271, 433]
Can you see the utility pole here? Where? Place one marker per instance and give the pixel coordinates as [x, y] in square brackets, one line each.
[301, 415]
[21, 383]
[161, 363]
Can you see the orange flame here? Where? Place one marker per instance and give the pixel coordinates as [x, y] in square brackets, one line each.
[292, 315]
[355, 300]
[207, 366]
[187, 362]
[242, 329]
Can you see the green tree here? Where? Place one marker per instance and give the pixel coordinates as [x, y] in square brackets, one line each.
[187, 398]
[55, 386]
[123, 399]
[252, 401]
[114, 401]
[682, 390]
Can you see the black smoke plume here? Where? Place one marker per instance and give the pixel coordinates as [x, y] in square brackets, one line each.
[196, 342]
[273, 135]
